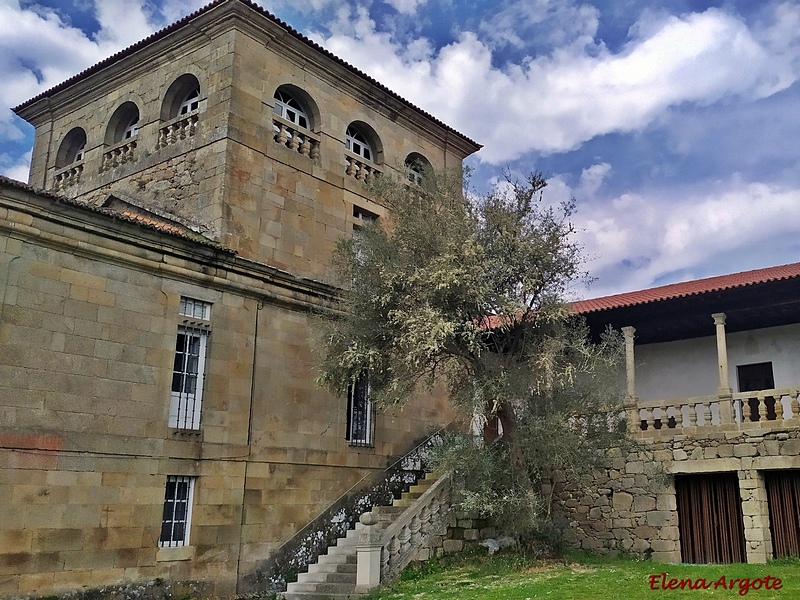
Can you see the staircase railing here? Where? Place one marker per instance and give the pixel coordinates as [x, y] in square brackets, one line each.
[314, 538]
[384, 553]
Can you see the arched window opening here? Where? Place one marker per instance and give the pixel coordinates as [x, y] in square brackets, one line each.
[415, 166]
[357, 143]
[72, 148]
[287, 107]
[124, 124]
[182, 97]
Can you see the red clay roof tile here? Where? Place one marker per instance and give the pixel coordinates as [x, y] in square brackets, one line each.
[688, 288]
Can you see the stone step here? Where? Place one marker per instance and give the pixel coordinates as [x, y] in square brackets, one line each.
[322, 588]
[338, 555]
[327, 577]
[328, 567]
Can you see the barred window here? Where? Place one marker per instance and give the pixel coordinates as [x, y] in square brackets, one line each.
[188, 372]
[360, 413]
[177, 515]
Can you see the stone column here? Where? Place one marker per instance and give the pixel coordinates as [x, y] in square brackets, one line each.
[368, 565]
[630, 365]
[724, 391]
[631, 403]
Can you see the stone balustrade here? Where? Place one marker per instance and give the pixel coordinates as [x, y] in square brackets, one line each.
[763, 408]
[359, 168]
[299, 140]
[119, 155]
[68, 177]
[177, 129]
[383, 554]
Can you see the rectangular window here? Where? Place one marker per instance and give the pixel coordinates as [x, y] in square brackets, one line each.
[177, 511]
[363, 215]
[755, 377]
[360, 413]
[188, 371]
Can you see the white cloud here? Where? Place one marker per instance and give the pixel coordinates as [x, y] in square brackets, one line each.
[16, 169]
[39, 50]
[554, 103]
[406, 7]
[635, 242]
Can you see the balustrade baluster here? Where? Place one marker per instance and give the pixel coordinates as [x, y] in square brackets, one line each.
[404, 537]
[294, 143]
[762, 407]
[305, 145]
[314, 149]
[282, 136]
[363, 173]
[351, 166]
[414, 530]
[778, 407]
[425, 517]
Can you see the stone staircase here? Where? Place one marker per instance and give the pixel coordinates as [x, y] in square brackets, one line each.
[333, 576]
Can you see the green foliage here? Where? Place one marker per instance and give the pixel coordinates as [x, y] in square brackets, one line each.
[514, 576]
[469, 290]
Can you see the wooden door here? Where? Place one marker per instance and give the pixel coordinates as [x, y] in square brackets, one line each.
[783, 496]
[710, 518]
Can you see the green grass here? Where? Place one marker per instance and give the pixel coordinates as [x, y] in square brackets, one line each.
[508, 576]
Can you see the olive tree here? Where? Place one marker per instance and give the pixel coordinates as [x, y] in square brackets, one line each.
[469, 290]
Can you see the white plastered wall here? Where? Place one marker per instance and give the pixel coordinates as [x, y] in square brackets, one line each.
[688, 368]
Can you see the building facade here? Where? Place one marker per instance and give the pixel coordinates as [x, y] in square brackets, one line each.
[712, 388]
[162, 276]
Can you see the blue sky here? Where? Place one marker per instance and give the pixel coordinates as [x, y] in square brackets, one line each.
[674, 123]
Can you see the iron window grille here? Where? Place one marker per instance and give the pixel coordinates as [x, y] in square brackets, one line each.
[177, 515]
[360, 414]
[188, 372]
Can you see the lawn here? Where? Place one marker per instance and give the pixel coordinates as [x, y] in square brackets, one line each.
[508, 576]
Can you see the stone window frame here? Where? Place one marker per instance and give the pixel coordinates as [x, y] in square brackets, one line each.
[189, 364]
[176, 519]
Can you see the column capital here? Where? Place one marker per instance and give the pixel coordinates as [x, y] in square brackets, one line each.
[719, 318]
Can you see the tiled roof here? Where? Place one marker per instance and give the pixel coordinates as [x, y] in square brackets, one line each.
[290, 30]
[154, 222]
[688, 288]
